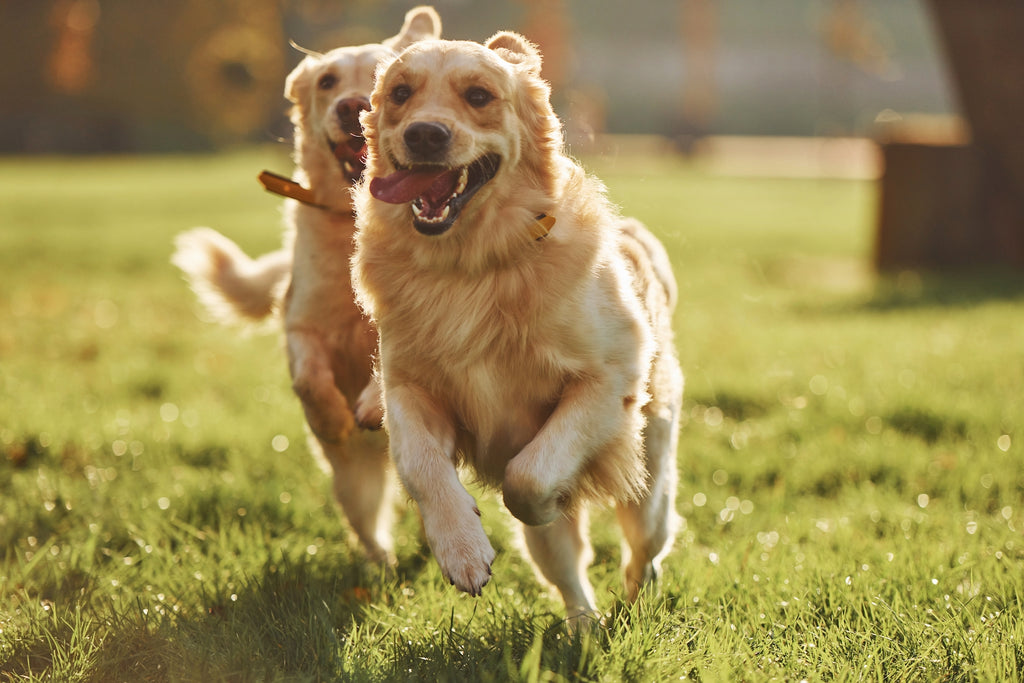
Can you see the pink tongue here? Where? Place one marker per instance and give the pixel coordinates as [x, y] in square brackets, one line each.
[404, 186]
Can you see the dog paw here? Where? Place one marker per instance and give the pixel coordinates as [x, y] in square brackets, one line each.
[583, 620]
[463, 552]
[640, 576]
[369, 410]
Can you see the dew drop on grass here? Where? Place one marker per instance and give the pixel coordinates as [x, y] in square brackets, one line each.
[279, 443]
[713, 416]
[168, 412]
[856, 406]
[699, 499]
[873, 425]
[922, 500]
[1003, 442]
[163, 502]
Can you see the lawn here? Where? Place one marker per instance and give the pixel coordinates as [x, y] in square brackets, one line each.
[850, 459]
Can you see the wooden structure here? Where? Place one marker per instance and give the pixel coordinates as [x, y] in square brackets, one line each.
[961, 203]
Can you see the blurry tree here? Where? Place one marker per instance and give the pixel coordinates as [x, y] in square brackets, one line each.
[963, 204]
[108, 75]
[698, 31]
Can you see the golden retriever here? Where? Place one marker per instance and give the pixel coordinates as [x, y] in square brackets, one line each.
[539, 356]
[330, 343]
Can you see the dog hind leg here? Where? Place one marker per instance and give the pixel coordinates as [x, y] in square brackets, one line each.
[362, 487]
[561, 553]
[649, 524]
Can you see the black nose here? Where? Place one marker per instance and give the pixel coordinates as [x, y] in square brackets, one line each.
[348, 111]
[427, 140]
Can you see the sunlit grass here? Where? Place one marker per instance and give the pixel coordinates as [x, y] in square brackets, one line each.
[850, 459]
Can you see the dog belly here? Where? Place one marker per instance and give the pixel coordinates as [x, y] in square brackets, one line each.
[489, 453]
[498, 419]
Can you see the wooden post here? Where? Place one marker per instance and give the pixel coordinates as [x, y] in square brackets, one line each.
[953, 205]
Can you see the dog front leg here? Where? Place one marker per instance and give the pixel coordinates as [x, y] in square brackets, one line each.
[422, 441]
[591, 416]
[327, 411]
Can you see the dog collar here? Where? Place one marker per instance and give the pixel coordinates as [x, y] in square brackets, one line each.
[541, 226]
[286, 187]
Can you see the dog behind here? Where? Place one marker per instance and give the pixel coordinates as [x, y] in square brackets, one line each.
[539, 356]
[330, 344]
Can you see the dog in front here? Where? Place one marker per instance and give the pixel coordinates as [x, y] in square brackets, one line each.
[537, 355]
[330, 344]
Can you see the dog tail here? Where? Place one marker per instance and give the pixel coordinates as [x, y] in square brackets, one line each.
[657, 258]
[230, 285]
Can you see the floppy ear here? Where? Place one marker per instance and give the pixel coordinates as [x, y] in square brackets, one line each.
[296, 86]
[515, 49]
[421, 23]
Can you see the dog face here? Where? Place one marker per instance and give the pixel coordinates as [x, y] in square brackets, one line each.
[330, 91]
[449, 117]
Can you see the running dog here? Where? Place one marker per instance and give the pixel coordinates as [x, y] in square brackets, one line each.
[525, 326]
[330, 344]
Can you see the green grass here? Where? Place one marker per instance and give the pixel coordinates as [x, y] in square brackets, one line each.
[851, 470]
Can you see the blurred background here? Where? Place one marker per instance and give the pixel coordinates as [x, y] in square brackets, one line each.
[925, 94]
[122, 75]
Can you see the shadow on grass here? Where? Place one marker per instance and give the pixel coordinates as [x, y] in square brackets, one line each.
[954, 289]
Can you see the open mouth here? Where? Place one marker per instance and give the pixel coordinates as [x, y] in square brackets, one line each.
[351, 155]
[437, 193]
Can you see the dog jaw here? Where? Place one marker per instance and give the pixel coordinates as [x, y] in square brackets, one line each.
[435, 194]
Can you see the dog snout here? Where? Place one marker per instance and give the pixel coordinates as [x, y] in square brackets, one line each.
[348, 111]
[427, 140]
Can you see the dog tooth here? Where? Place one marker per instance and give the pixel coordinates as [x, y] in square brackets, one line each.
[463, 181]
[444, 214]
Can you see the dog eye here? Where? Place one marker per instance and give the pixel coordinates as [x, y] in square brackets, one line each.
[327, 81]
[478, 97]
[400, 93]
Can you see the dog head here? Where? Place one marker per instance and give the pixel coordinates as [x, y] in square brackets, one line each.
[330, 91]
[456, 126]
